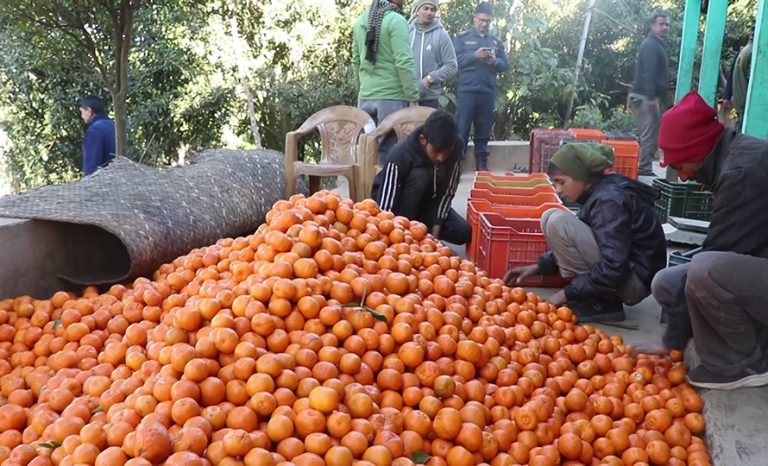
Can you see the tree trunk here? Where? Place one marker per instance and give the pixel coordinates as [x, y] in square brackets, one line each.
[580, 57]
[121, 123]
[122, 40]
[242, 78]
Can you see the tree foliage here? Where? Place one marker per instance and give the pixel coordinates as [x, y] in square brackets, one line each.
[194, 68]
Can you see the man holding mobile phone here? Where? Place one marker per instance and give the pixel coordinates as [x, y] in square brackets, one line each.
[481, 56]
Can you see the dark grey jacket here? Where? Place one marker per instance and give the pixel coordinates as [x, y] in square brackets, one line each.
[621, 214]
[651, 69]
[737, 173]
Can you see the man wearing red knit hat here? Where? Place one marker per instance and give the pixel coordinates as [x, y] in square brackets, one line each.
[719, 298]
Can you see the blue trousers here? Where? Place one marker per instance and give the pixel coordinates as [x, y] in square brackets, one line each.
[476, 108]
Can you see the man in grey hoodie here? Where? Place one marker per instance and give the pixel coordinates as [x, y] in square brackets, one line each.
[433, 55]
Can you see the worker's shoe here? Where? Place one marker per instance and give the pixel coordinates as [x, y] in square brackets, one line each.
[481, 164]
[596, 311]
[755, 376]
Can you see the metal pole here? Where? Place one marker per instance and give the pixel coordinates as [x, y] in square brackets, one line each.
[580, 56]
[688, 43]
[713, 46]
[755, 121]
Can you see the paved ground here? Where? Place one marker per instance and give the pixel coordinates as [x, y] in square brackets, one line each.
[735, 432]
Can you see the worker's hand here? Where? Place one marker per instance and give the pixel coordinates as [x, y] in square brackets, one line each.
[436, 230]
[518, 274]
[425, 82]
[413, 104]
[558, 299]
[650, 347]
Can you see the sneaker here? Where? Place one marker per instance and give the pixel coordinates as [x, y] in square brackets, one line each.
[702, 377]
[597, 311]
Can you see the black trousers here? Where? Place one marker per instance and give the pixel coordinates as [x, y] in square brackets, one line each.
[418, 202]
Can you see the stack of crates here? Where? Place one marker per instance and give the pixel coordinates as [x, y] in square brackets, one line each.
[545, 142]
[688, 200]
[542, 146]
[504, 212]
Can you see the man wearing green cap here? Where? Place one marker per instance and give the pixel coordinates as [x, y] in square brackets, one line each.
[612, 249]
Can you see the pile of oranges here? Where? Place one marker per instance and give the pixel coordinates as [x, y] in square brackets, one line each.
[339, 335]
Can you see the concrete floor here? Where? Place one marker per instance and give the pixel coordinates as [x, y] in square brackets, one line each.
[735, 422]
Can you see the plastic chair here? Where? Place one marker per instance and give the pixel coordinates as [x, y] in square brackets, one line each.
[402, 122]
[340, 128]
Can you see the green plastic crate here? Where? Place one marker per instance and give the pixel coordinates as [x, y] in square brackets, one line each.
[688, 200]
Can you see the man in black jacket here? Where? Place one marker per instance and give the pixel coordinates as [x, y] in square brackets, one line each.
[612, 249]
[650, 84]
[420, 176]
[720, 297]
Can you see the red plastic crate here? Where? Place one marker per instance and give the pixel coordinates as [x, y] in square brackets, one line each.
[512, 190]
[543, 144]
[531, 178]
[627, 155]
[511, 242]
[475, 207]
[587, 134]
[515, 199]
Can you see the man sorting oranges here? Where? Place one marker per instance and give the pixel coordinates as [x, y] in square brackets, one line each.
[719, 298]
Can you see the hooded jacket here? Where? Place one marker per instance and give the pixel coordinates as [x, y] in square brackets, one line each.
[406, 160]
[433, 55]
[98, 144]
[621, 214]
[392, 77]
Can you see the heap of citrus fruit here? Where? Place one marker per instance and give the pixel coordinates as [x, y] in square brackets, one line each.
[336, 334]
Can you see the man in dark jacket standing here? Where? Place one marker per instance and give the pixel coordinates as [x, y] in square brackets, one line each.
[719, 298]
[420, 177]
[650, 84]
[99, 139]
[612, 249]
[481, 56]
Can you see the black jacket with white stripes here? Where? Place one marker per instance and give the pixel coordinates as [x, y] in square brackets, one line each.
[413, 186]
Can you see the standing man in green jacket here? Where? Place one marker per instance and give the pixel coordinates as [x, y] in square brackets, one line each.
[382, 61]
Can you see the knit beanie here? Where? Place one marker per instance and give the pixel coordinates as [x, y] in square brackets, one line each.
[582, 161]
[689, 131]
[421, 3]
[484, 7]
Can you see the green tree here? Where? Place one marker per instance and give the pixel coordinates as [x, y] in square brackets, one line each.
[100, 31]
